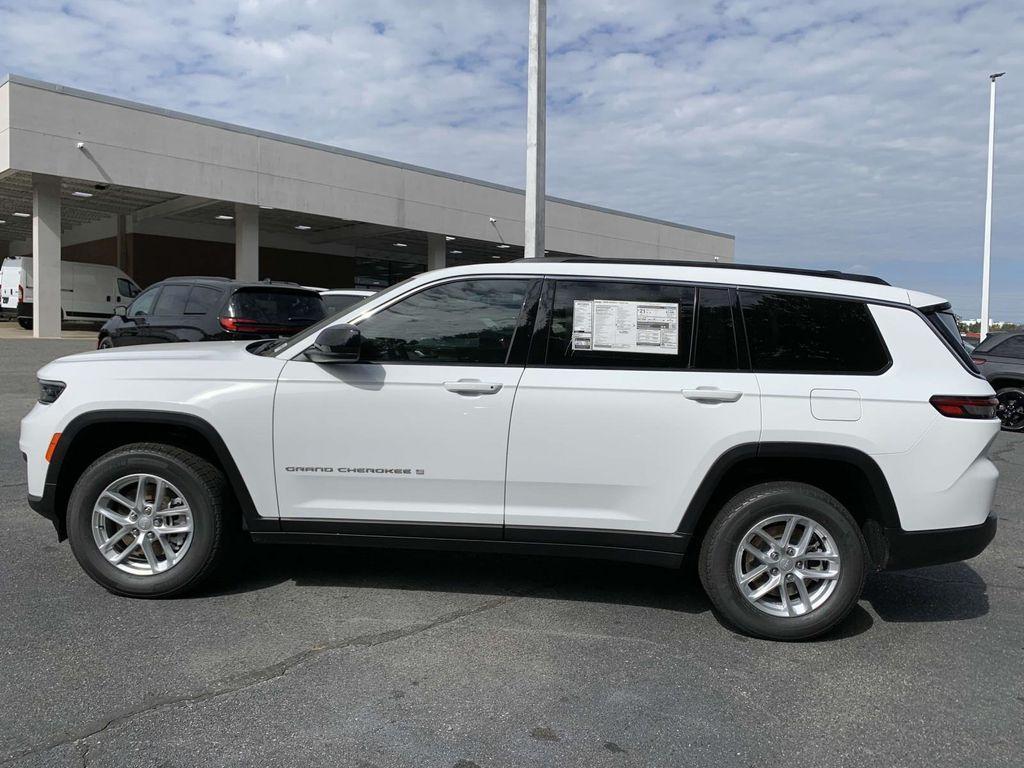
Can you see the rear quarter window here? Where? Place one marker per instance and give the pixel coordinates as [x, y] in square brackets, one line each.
[797, 333]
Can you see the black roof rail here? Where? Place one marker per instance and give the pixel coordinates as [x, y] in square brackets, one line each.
[835, 274]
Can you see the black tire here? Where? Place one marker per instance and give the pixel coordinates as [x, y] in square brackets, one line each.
[743, 512]
[1011, 408]
[105, 343]
[25, 322]
[206, 492]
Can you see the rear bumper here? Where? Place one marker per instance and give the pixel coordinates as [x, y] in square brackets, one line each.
[912, 549]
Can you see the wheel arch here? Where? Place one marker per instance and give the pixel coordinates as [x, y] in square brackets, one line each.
[850, 475]
[92, 434]
[1007, 380]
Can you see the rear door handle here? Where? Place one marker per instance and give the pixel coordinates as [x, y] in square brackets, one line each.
[472, 387]
[712, 395]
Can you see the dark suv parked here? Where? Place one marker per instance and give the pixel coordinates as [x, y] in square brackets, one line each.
[212, 309]
[1001, 358]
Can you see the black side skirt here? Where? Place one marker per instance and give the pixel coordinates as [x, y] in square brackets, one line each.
[665, 550]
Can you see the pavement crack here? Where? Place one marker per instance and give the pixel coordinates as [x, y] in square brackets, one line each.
[242, 681]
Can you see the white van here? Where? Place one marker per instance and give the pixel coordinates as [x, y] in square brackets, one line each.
[88, 292]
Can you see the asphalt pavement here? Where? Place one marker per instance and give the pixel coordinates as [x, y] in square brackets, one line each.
[311, 656]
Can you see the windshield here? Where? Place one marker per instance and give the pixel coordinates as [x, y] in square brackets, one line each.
[312, 331]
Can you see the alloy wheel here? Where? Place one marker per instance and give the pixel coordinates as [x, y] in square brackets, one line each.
[787, 565]
[1011, 409]
[142, 524]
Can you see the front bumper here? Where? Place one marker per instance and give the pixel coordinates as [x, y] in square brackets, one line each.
[913, 549]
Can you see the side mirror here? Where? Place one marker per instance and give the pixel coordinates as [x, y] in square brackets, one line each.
[336, 344]
[121, 310]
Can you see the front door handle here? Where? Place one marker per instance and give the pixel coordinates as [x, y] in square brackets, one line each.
[712, 395]
[472, 387]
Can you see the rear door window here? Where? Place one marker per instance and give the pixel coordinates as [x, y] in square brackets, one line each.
[172, 300]
[126, 288]
[611, 324]
[715, 345]
[797, 333]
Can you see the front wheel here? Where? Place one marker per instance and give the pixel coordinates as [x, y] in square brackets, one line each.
[105, 343]
[1011, 408]
[25, 322]
[148, 520]
[784, 561]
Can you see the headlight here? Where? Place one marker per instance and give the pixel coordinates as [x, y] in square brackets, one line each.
[49, 391]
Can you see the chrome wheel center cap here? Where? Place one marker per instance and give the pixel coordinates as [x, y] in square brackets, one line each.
[785, 565]
[145, 522]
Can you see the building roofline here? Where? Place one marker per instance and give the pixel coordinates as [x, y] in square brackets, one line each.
[118, 102]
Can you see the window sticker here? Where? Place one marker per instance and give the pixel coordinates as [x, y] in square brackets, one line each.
[625, 326]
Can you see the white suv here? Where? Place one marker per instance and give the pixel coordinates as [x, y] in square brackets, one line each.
[788, 429]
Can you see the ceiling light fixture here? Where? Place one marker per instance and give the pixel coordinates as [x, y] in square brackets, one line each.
[302, 227]
[495, 256]
[400, 245]
[224, 217]
[2, 221]
[455, 253]
[22, 215]
[503, 246]
[449, 238]
[81, 194]
[266, 208]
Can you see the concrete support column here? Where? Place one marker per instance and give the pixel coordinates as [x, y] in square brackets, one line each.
[46, 293]
[123, 236]
[247, 242]
[437, 251]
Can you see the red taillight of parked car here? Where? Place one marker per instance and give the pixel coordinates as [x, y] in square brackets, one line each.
[977, 361]
[961, 407]
[242, 325]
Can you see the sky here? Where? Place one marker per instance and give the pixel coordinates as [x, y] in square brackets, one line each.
[821, 133]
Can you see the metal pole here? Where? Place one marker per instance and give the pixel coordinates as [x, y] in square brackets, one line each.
[536, 129]
[987, 256]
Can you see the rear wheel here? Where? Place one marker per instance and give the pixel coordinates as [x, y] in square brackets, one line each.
[105, 343]
[784, 561]
[25, 322]
[148, 520]
[1011, 408]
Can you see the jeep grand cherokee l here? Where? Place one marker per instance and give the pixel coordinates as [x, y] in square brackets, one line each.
[789, 430]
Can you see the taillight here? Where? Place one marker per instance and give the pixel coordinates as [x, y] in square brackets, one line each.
[21, 294]
[977, 361]
[242, 325]
[960, 407]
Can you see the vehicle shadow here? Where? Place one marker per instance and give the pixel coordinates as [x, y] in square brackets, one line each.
[953, 592]
[265, 565]
[944, 593]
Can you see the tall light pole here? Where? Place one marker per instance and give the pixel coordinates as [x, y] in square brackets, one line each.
[536, 129]
[986, 258]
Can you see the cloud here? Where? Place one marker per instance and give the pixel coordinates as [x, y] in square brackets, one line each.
[820, 132]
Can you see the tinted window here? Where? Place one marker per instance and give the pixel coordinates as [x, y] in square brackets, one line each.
[127, 288]
[470, 321]
[172, 300]
[1011, 347]
[715, 342]
[340, 301]
[944, 321]
[202, 300]
[792, 332]
[649, 323]
[276, 307]
[143, 305]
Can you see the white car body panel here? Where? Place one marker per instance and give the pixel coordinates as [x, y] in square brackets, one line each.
[620, 450]
[219, 382]
[450, 446]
